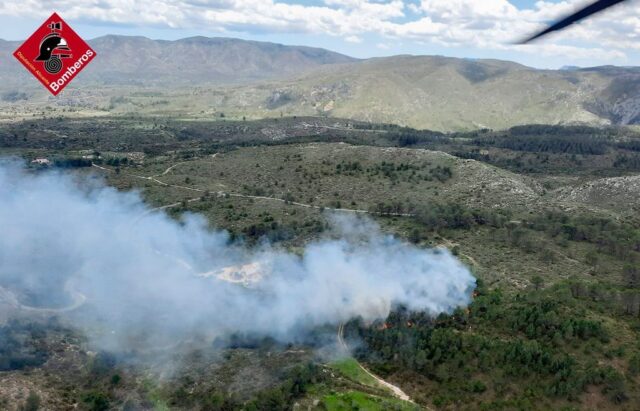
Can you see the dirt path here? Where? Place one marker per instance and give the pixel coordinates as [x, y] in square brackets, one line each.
[473, 260]
[450, 244]
[164, 207]
[237, 195]
[393, 388]
[168, 170]
[78, 300]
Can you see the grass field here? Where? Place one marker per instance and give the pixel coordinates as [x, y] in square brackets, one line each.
[351, 369]
[360, 401]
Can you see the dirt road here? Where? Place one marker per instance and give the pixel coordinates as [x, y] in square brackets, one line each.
[393, 388]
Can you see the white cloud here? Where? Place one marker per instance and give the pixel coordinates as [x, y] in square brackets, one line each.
[480, 24]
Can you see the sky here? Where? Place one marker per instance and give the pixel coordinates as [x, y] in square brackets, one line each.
[359, 28]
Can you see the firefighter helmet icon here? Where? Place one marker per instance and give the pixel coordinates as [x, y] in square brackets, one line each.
[53, 48]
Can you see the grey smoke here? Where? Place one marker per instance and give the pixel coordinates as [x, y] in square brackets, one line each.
[62, 237]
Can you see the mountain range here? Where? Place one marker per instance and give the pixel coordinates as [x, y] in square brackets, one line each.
[202, 76]
[141, 61]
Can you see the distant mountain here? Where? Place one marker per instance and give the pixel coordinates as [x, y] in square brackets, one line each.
[204, 77]
[194, 60]
[441, 93]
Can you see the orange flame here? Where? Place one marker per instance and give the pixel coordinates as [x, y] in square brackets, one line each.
[384, 326]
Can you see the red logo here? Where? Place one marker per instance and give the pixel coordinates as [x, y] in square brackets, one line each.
[54, 54]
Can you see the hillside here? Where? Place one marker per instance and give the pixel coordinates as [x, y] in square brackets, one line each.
[203, 78]
[126, 60]
[447, 94]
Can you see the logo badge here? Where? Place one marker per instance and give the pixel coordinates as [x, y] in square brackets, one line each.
[54, 54]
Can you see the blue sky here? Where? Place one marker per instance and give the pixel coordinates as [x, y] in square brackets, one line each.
[360, 28]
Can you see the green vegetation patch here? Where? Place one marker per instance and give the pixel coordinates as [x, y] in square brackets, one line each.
[351, 369]
[355, 400]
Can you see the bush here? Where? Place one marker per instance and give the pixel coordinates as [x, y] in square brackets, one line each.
[96, 401]
[32, 403]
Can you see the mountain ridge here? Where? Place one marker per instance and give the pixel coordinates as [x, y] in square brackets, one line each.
[132, 60]
[205, 76]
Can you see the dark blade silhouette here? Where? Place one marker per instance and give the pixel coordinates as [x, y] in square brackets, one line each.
[591, 9]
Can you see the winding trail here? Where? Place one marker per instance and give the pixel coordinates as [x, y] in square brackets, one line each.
[397, 391]
[237, 195]
[168, 170]
[448, 244]
[10, 298]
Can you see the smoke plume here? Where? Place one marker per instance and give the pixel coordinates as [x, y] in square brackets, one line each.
[82, 248]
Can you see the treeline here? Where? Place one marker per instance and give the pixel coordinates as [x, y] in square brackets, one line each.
[437, 216]
[559, 131]
[72, 163]
[79, 162]
[578, 140]
[541, 143]
[411, 138]
[632, 145]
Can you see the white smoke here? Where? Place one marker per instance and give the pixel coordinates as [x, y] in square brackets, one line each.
[63, 238]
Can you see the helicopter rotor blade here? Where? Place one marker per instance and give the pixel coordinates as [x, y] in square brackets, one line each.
[589, 10]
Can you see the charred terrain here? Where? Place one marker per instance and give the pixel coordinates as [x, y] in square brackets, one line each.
[545, 216]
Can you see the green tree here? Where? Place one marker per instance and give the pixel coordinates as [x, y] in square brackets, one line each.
[537, 282]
